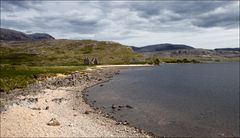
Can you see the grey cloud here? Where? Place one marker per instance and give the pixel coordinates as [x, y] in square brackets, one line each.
[227, 21]
[227, 17]
[19, 25]
[189, 10]
[120, 20]
[17, 5]
[85, 27]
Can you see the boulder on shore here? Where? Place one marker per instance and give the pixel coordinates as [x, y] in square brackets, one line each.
[53, 122]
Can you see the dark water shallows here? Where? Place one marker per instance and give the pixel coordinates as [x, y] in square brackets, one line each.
[175, 99]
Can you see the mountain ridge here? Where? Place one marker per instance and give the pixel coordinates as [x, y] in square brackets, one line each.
[13, 35]
[161, 47]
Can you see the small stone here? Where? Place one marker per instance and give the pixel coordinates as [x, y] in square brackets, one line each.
[125, 123]
[86, 112]
[36, 108]
[74, 115]
[59, 100]
[47, 108]
[33, 100]
[101, 85]
[113, 106]
[53, 122]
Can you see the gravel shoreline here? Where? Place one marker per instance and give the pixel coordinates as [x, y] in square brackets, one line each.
[55, 107]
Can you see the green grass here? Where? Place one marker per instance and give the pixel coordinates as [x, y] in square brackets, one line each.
[191, 59]
[87, 49]
[21, 61]
[18, 76]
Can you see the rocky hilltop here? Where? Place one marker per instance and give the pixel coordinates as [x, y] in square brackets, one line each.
[13, 35]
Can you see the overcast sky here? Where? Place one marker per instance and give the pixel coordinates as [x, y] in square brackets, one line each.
[206, 24]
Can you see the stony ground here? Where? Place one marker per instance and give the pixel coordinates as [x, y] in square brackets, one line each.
[55, 108]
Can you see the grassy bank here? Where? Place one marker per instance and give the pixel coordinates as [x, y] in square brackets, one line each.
[18, 76]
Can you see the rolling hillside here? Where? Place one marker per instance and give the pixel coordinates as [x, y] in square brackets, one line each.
[22, 62]
[66, 52]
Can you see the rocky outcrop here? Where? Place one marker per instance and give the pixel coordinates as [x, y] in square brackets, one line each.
[87, 61]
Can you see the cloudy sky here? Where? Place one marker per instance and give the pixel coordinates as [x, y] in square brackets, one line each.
[206, 24]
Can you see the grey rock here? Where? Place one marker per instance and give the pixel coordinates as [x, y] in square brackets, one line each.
[125, 123]
[36, 108]
[53, 122]
[113, 106]
[58, 100]
[128, 106]
[86, 112]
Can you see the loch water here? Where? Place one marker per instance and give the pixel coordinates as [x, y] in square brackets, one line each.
[174, 99]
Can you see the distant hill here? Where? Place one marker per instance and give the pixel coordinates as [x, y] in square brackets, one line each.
[40, 36]
[227, 49]
[13, 35]
[161, 47]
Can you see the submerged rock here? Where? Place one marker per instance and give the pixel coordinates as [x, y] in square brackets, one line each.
[113, 106]
[128, 106]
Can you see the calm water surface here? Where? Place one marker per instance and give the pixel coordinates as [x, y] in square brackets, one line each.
[175, 99]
